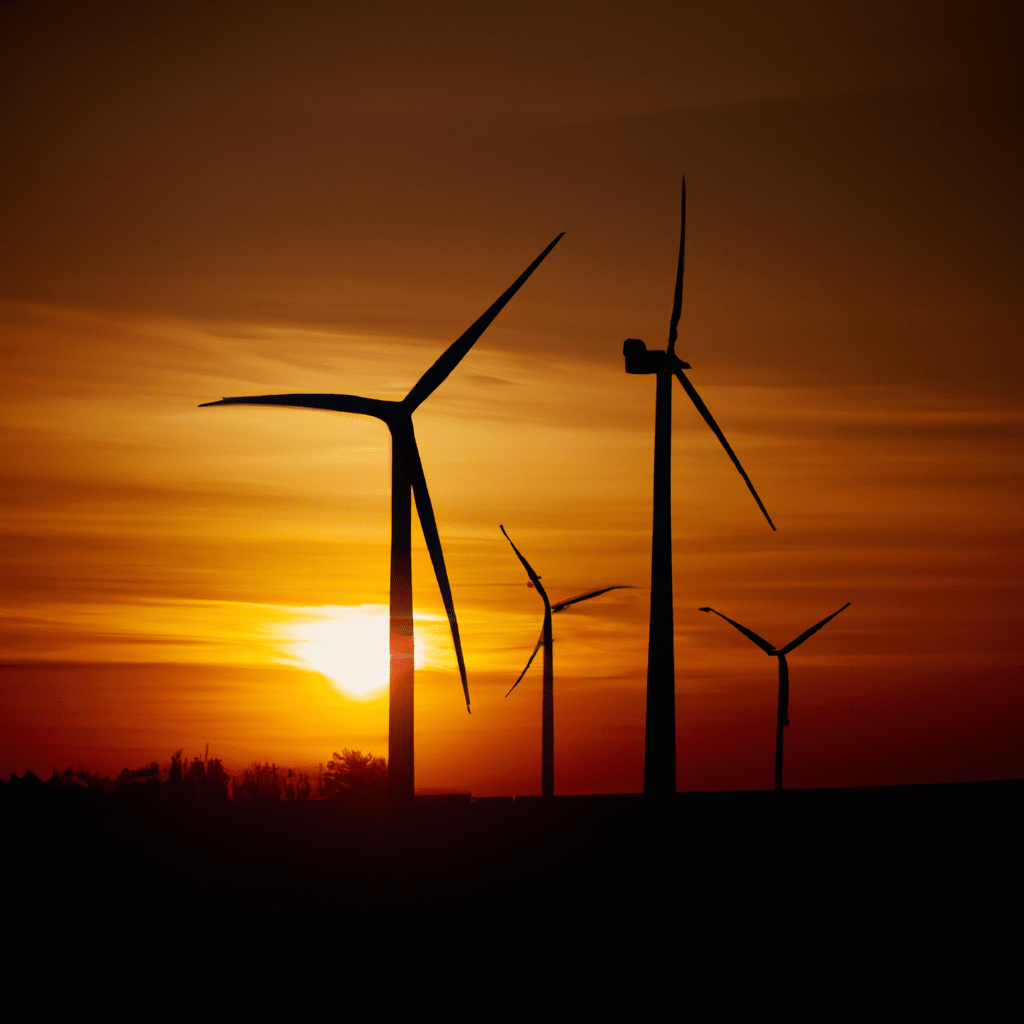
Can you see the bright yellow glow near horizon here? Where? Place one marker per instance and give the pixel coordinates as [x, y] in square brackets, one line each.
[348, 645]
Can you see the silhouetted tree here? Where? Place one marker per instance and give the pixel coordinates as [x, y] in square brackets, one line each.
[206, 781]
[217, 780]
[195, 779]
[177, 775]
[260, 783]
[139, 781]
[148, 774]
[78, 778]
[352, 772]
[29, 779]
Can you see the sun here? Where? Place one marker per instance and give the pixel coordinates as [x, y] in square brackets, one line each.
[348, 645]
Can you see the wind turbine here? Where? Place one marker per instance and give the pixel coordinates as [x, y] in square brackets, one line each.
[660, 737]
[406, 476]
[547, 732]
[782, 720]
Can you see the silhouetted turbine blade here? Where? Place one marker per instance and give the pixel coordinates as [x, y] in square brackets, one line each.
[429, 524]
[586, 597]
[748, 633]
[814, 629]
[530, 662]
[677, 300]
[534, 578]
[333, 403]
[435, 376]
[710, 420]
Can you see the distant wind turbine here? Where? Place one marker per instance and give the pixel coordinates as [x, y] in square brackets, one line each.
[406, 475]
[782, 719]
[547, 733]
[660, 738]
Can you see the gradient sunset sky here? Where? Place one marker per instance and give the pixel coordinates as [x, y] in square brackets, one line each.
[202, 200]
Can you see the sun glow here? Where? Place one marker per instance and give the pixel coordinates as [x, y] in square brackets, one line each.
[349, 645]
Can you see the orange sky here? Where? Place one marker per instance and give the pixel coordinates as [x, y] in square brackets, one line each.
[262, 198]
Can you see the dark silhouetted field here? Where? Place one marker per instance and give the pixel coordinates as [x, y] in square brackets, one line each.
[601, 889]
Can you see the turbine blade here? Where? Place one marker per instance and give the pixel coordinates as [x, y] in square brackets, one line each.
[810, 632]
[334, 403]
[586, 597]
[710, 420]
[435, 376]
[677, 299]
[425, 511]
[530, 662]
[748, 633]
[534, 578]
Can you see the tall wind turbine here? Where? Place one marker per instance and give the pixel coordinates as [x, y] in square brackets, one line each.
[782, 719]
[660, 738]
[406, 476]
[547, 733]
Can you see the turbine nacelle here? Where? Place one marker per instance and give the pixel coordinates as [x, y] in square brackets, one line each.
[641, 359]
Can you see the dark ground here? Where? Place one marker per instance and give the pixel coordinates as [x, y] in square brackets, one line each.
[911, 891]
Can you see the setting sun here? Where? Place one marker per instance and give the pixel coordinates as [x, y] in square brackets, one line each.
[348, 645]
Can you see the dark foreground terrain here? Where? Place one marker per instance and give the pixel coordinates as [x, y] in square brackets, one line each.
[590, 895]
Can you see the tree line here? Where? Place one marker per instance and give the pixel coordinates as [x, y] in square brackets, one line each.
[203, 779]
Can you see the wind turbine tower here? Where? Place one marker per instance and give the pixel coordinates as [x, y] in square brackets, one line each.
[547, 732]
[407, 481]
[782, 716]
[660, 737]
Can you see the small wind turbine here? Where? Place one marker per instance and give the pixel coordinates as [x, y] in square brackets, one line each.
[660, 736]
[406, 475]
[783, 714]
[547, 732]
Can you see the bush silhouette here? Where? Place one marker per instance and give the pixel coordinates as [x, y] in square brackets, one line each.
[352, 772]
[148, 775]
[78, 778]
[297, 785]
[206, 780]
[260, 784]
[177, 774]
[217, 780]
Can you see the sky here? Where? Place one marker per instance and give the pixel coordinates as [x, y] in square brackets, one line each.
[249, 198]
